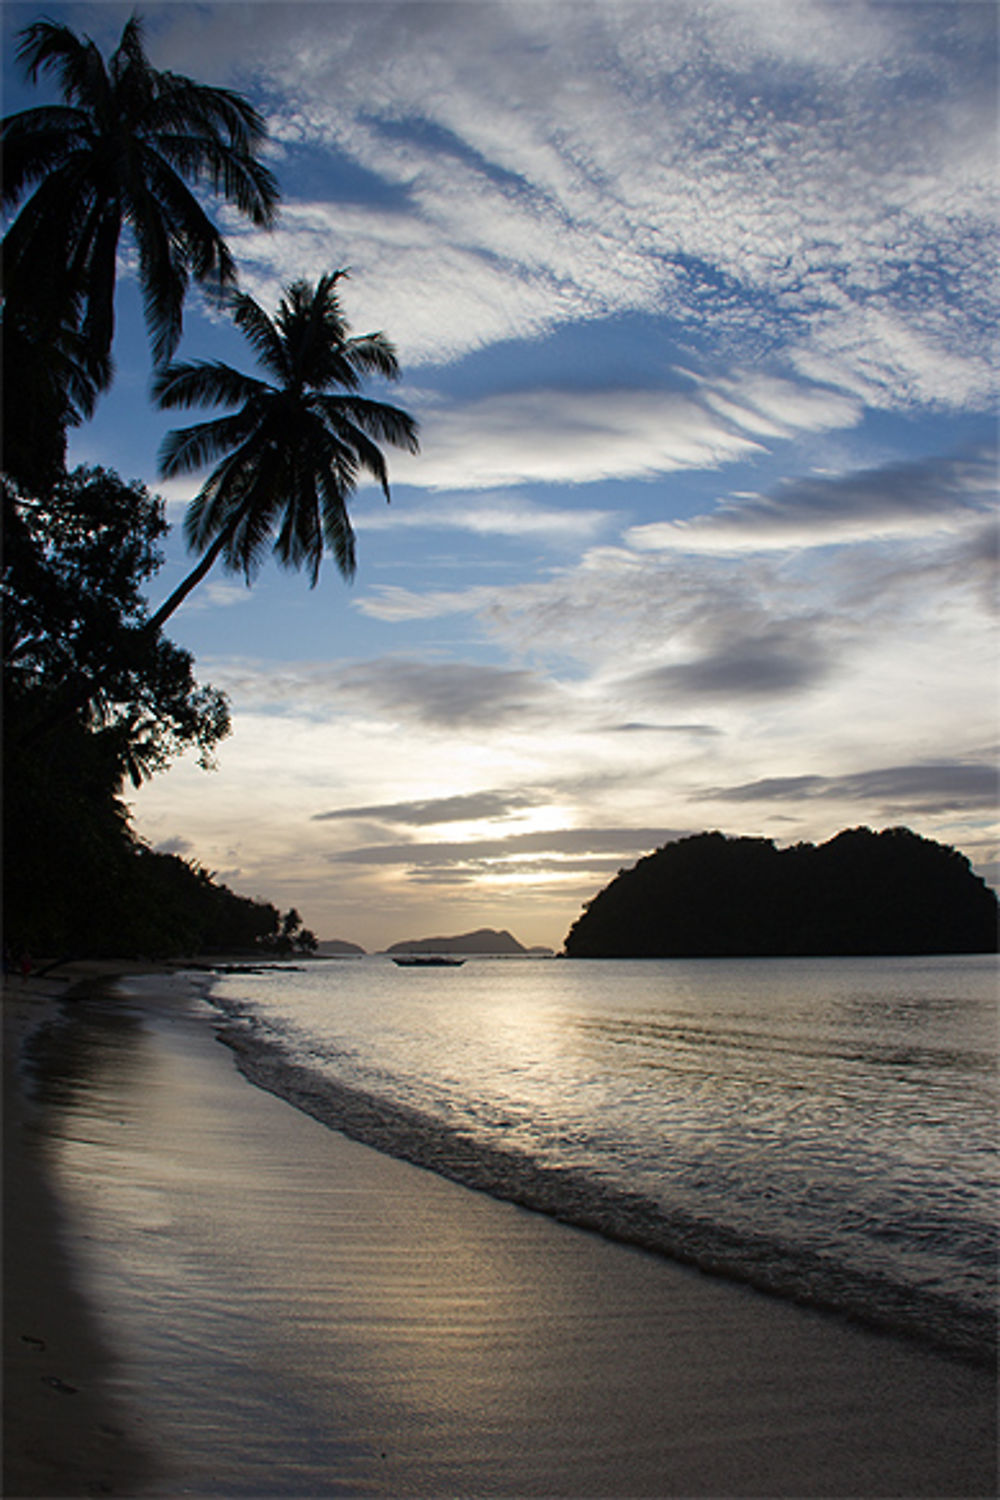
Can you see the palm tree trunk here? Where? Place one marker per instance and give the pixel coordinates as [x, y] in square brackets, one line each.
[203, 566]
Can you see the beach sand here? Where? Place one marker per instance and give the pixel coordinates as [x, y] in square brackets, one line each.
[246, 1303]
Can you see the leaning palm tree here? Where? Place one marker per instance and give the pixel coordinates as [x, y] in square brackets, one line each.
[124, 148]
[294, 451]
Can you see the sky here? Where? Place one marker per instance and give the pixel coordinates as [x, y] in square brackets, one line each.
[695, 303]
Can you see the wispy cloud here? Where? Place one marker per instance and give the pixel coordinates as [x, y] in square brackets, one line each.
[425, 812]
[916, 498]
[568, 436]
[552, 844]
[451, 694]
[783, 658]
[499, 515]
[931, 787]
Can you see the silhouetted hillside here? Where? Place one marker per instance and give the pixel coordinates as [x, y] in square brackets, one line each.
[860, 893]
[484, 940]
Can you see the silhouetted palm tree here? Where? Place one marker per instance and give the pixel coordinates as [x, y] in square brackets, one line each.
[122, 149]
[293, 452]
[51, 382]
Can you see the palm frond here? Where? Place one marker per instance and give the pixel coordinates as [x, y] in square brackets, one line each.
[130, 52]
[299, 542]
[181, 102]
[163, 269]
[235, 175]
[47, 47]
[255, 494]
[188, 448]
[35, 143]
[196, 238]
[99, 317]
[200, 382]
[216, 508]
[372, 354]
[262, 334]
[385, 423]
[338, 533]
[48, 225]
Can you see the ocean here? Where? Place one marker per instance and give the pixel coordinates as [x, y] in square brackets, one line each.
[822, 1129]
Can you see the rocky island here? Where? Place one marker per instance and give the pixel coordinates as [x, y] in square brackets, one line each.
[865, 893]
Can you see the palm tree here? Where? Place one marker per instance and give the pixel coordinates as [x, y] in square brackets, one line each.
[294, 451]
[52, 383]
[123, 149]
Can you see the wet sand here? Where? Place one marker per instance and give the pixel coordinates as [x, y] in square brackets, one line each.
[265, 1308]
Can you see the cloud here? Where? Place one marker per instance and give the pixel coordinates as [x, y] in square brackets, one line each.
[175, 845]
[449, 695]
[931, 786]
[910, 499]
[552, 843]
[814, 176]
[501, 515]
[640, 728]
[455, 696]
[471, 807]
[393, 604]
[779, 660]
[569, 437]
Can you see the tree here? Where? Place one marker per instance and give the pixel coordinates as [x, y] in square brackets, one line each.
[73, 568]
[293, 452]
[859, 893]
[51, 382]
[289, 936]
[123, 148]
[75, 877]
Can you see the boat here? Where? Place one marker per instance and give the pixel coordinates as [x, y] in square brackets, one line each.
[427, 961]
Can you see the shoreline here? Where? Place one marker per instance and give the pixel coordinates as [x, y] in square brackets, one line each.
[928, 1320]
[546, 1361]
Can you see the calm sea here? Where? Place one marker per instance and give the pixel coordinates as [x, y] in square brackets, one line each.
[823, 1129]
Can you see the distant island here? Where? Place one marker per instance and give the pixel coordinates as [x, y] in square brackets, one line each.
[483, 940]
[338, 948]
[865, 893]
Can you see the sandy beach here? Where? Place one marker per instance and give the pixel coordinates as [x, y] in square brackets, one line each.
[209, 1293]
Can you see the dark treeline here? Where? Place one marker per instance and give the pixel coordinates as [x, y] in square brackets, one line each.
[861, 893]
[96, 698]
[76, 879]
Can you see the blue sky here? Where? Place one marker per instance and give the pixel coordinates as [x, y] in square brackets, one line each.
[696, 306]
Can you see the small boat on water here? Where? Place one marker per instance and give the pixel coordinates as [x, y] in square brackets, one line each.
[427, 961]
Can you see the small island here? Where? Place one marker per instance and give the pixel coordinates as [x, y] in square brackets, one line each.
[863, 893]
[484, 940]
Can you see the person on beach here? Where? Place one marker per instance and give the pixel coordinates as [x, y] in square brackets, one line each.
[26, 967]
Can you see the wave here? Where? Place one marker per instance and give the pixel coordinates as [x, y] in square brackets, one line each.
[792, 1272]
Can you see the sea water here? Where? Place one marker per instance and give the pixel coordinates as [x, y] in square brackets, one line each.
[825, 1129]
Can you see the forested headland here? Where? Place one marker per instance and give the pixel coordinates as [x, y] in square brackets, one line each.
[862, 892]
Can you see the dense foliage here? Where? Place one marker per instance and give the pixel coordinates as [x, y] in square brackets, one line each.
[76, 880]
[76, 633]
[860, 893]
